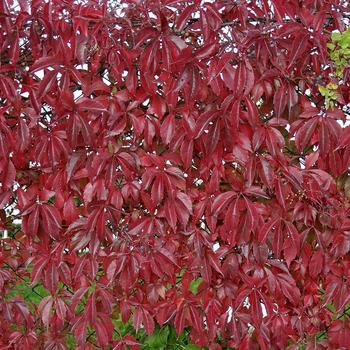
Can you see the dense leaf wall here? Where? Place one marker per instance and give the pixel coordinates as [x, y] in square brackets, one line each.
[173, 164]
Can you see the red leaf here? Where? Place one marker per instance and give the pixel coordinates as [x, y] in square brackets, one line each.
[131, 81]
[304, 134]
[280, 101]
[91, 105]
[38, 267]
[104, 329]
[299, 46]
[70, 212]
[148, 322]
[311, 159]
[147, 147]
[44, 62]
[316, 264]
[183, 17]
[167, 129]
[170, 213]
[291, 244]
[266, 228]
[221, 201]
[61, 309]
[168, 255]
[51, 220]
[23, 135]
[33, 220]
[46, 84]
[45, 307]
[182, 80]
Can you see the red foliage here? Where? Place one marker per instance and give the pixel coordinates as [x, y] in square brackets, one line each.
[151, 143]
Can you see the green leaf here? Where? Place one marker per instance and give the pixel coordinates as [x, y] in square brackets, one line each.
[159, 338]
[195, 284]
[332, 86]
[70, 341]
[323, 90]
[321, 335]
[118, 182]
[110, 147]
[192, 347]
[336, 36]
[51, 200]
[77, 201]
[331, 307]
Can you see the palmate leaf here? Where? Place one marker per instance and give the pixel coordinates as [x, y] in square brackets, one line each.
[174, 174]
